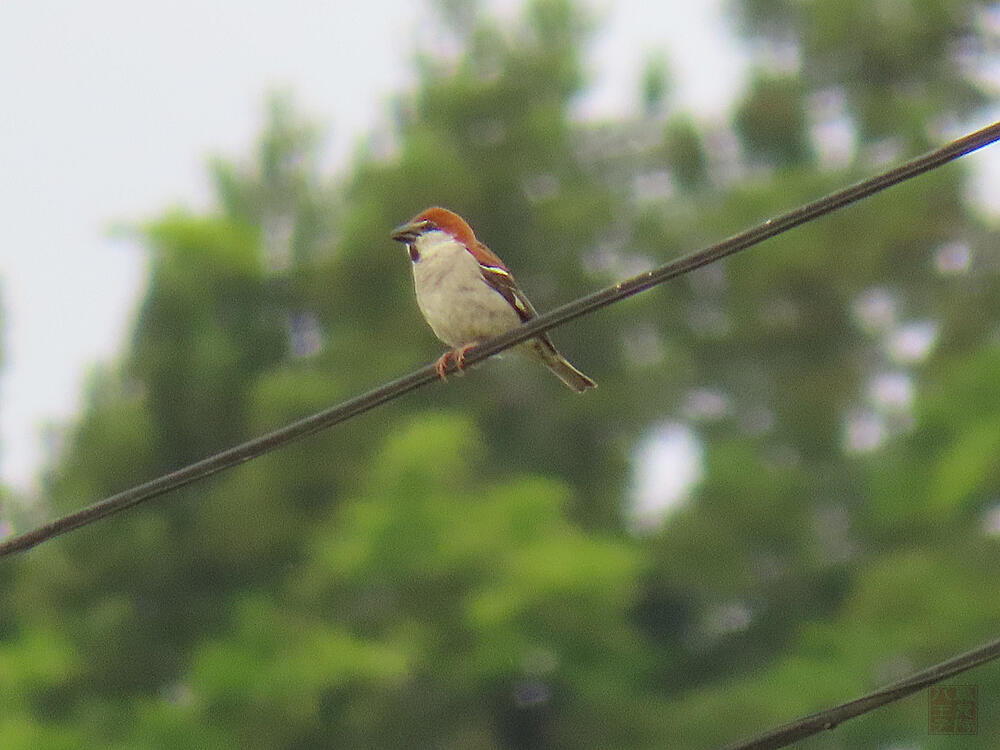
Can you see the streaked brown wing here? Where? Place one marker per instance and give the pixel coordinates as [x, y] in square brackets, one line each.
[499, 279]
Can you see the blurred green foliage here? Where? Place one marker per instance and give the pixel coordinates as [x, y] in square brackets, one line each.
[458, 569]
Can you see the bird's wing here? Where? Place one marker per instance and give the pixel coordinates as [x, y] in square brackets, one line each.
[485, 256]
[498, 278]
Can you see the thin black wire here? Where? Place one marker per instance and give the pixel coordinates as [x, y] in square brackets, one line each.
[831, 717]
[602, 298]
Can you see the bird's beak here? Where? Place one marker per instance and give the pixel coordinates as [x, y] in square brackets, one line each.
[409, 231]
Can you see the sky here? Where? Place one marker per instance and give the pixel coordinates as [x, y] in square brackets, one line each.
[111, 108]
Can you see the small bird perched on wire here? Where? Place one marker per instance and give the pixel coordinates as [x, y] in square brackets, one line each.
[467, 295]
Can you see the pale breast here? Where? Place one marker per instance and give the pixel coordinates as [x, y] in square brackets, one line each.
[452, 295]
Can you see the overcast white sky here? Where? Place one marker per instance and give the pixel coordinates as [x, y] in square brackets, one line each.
[110, 107]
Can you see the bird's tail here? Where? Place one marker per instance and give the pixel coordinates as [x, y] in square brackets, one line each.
[542, 348]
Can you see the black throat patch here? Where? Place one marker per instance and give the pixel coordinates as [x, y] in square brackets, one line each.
[414, 253]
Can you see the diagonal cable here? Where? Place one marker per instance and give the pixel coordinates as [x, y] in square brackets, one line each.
[582, 306]
[831, 717]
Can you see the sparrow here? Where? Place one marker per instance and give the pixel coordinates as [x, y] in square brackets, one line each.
[467, 295]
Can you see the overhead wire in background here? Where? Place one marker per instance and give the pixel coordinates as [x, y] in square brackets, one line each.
[602, 298]
[832, 717]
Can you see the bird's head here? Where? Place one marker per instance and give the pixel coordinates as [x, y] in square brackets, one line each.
[431, 227]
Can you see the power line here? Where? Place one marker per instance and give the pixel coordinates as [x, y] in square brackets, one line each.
[832, 717]
[322, 420]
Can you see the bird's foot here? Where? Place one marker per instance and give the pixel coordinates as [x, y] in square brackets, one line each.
[458, 355]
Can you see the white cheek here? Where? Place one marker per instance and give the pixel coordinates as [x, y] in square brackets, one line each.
[430, 245]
